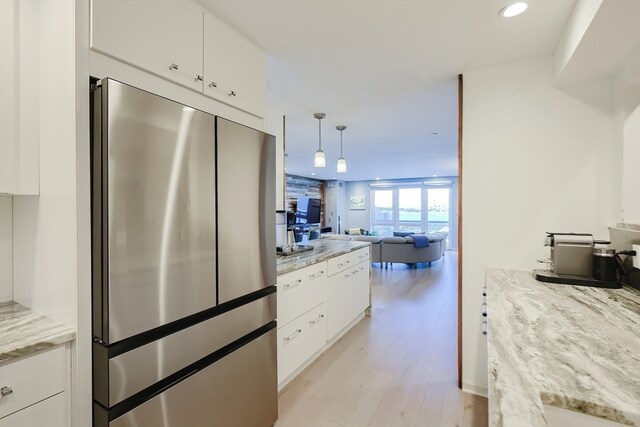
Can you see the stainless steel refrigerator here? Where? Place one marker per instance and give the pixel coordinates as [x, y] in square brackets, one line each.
[183, 265]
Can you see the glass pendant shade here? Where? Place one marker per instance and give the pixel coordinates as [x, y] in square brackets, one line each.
[342, 165]
[319, 161]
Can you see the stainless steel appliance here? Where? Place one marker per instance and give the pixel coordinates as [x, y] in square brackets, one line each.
[571, 253]
[183, 306]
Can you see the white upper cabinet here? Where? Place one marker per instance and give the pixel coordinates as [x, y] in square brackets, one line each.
[234, 68]
[19, 147]
[162, 37]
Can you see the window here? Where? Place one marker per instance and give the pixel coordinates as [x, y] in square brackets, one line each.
[411, 208]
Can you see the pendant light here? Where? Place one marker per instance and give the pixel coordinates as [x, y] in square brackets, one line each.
[320, 161]
[341, 167]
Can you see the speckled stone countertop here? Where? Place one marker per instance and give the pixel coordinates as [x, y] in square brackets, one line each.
[23, 331]
[572, 347]
[323, 250]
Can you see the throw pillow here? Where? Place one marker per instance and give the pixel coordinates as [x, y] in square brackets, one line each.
[402, 233]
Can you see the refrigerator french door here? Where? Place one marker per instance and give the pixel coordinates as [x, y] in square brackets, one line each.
[183, 267]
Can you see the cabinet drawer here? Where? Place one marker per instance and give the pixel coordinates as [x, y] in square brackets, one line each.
[300, 339]
[300, 291]
[343, 262]
[32, 379]
[51, 412]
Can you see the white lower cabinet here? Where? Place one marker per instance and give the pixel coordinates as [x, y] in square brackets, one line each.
[33, 389]
[347, 297]
[315, 304]
[300, 339]
[51, 412]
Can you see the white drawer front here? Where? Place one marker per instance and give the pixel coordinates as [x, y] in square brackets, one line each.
[32, 379]
[300, 291]
[300, 339]
[343, 262]
[51, 412]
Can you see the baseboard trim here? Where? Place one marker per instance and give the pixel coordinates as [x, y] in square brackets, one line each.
[477, 389]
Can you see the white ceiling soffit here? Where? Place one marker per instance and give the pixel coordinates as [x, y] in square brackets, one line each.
[386, 69]
[600, 37]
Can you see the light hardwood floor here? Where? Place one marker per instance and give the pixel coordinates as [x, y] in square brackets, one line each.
[395, 368]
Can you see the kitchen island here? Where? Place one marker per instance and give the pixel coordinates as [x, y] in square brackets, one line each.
[322, 293]
[570, 347]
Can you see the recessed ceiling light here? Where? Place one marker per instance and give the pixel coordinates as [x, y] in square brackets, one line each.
[313, 174]
[513, 9]
[377, 179]
[435, 176]
[333, 177]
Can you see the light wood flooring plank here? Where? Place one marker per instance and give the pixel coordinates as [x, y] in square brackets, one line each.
[396, 368]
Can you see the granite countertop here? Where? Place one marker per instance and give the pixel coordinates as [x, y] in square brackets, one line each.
[572, 347]
[23, 331]
[323, 250]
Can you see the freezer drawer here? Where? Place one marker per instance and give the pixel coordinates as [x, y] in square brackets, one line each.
[153, 211]
[238, 390]
[142, 367]
[246, 214]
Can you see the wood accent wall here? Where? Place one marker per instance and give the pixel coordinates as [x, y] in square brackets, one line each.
[300, 186]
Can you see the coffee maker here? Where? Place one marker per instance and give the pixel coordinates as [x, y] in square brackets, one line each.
[285, 241]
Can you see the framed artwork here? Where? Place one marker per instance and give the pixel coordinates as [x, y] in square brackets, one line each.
[357, 203]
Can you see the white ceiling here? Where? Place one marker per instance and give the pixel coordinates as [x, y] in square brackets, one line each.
[385, 69]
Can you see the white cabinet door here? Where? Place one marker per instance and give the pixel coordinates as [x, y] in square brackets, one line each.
[234, 68]
[163, 37]
[347, 297]
[19, 157]
[51, 412]
[299, 340]
[301, 290]
[32, 379]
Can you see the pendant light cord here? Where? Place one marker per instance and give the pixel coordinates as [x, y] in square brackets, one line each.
[340, 144]
[319, 134]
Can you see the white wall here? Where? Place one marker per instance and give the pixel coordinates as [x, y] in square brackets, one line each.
[631, 169]
[583, 14]
[626, 141]
[44, 238]
[6, 249]
[534, 160]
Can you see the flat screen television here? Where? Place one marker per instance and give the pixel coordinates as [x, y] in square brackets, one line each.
[308, 210]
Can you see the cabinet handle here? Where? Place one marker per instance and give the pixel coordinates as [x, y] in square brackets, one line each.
[343, 263]
[484, 309]
[362, 256]
[484, 291]
[213, 84]
[346, 276]
[316, 275]
[232, 93]
[293, 336]
[292, 284]
[316, 320]
[5, 391]
[176, 67]
[484, 328]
